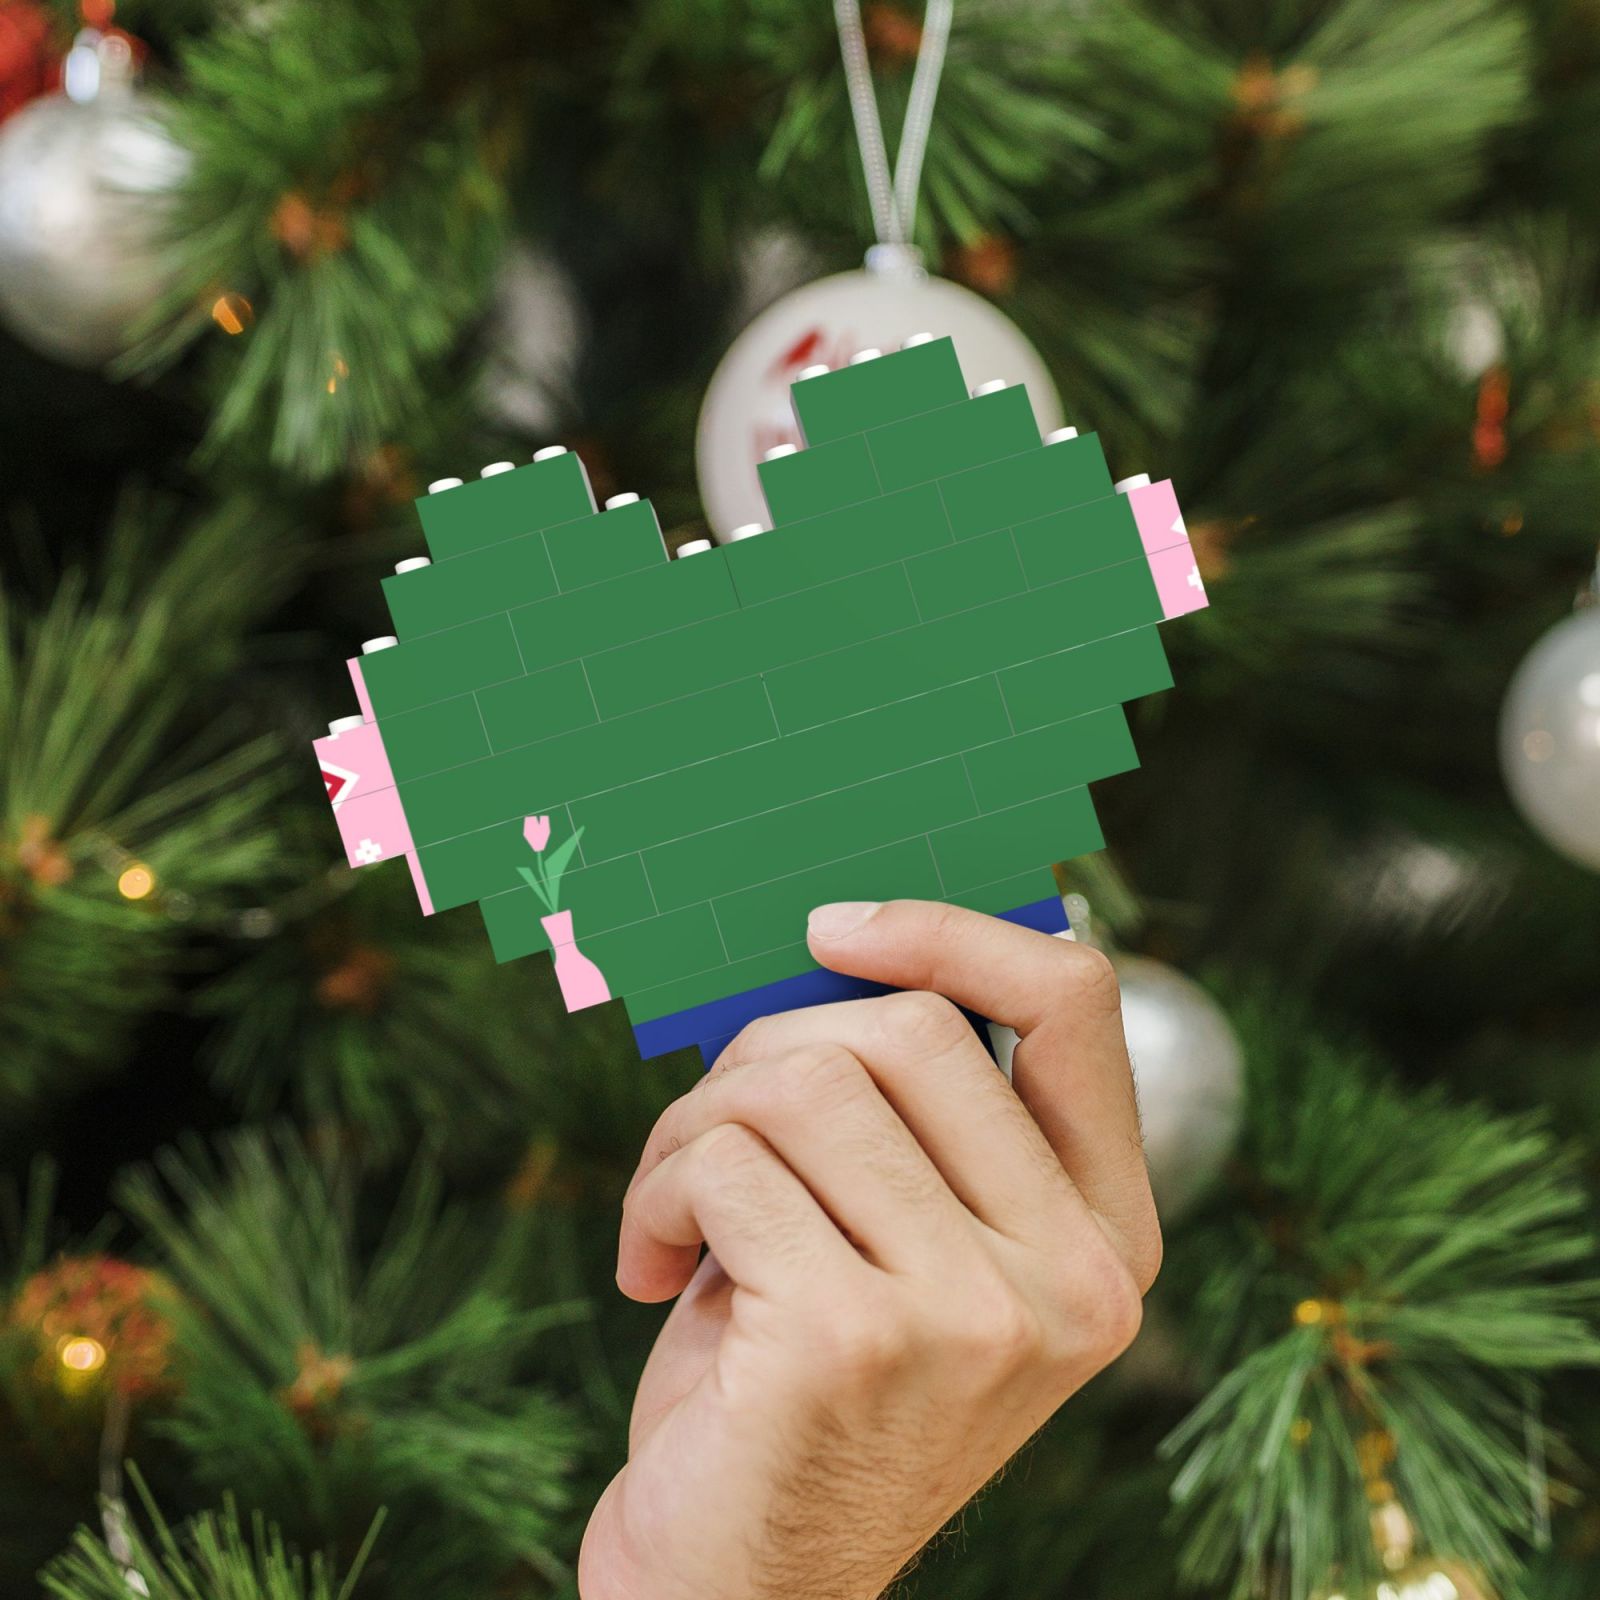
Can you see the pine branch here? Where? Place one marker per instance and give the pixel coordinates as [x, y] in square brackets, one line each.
[327, 1373]
[110, 768]
[361, 1016]
[360, 231]
[1404, 1270]
[209, 1556]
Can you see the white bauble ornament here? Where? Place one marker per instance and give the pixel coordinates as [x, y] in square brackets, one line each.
[1550, 737]
[747, 411]
[535, 336]
[81, 192]
[1190, 1076]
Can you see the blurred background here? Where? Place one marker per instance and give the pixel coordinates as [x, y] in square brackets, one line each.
[309, 1206]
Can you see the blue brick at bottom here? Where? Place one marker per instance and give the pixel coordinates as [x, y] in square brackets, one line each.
[712, 1025]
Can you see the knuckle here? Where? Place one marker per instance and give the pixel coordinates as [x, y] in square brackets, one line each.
[1092, 978]
[864, 1340]
[1107, 1306]
[817, 1077]
[997, 1336]
[729, 1153]
[1149, 1250]
[942, 921]
[750, 1043]
[927, 1021]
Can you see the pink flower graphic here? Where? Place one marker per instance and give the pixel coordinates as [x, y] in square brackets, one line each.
[536, 830]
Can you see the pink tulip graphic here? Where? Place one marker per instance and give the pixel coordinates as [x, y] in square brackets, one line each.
[582, 982]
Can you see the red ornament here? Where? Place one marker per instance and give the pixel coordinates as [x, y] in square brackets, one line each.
[96, 1315]
[1489, 430]
[29, 64]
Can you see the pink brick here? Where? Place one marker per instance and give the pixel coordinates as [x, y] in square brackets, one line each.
[373, 828]
[354, 763]
[1155, 509]
[1178, 582]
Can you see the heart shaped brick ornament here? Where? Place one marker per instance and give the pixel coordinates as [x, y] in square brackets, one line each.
[903, 687]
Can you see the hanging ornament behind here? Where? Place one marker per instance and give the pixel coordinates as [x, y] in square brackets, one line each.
[1187, 1065]
[534, 341]
[747, 412]
[83, 176]
[1550, 737]
[1190, 1076]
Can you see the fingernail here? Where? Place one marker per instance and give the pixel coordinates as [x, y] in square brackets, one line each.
[840, 918]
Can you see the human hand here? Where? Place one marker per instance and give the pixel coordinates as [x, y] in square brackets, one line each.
[910, 1263]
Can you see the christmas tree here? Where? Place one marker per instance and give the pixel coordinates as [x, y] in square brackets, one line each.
[308, 1227]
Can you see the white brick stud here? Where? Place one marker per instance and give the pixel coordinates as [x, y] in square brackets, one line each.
[780, 450]
[412, 564]
[869, 354]
[344, 724]
[495, 468]
[1060, 435]
[385, 642]
[916, 339]
[617, 500]
[439, 485]
[989, 386]
[550, 452]
[815, 370]
[693, 547]
[748, 530]
[1140, 480]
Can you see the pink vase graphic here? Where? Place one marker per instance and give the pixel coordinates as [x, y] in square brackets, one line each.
[582, 982]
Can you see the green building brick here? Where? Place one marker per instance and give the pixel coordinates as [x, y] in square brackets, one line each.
[1002, 843]
[710, 793]
[623, 539]
[954, 438]
[773, 915]
[659, 1000]
[441, 665]
[471, 586]
[613, 895]
[807, 483]
[1005, 894]
[447, 734]
[801, 555]
[1049, 759]
[1066, 544]
[810, 833]
[752, 639]
[870, 393]
[1019, 488]
[1127, 666]
[965, 575]
[985, 639]
[538, 706]
[638, 606]
[587, 761]
[524, 500]
[670, 946]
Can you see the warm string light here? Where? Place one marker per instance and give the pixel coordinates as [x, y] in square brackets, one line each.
[232, 313]
[81, 1354]
[136, 881]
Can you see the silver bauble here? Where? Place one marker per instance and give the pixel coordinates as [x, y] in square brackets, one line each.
[1190, 1075]
[535, 337]
[1550, 737]
[81, 192]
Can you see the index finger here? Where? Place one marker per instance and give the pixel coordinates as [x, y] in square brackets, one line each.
[1071, 1067]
